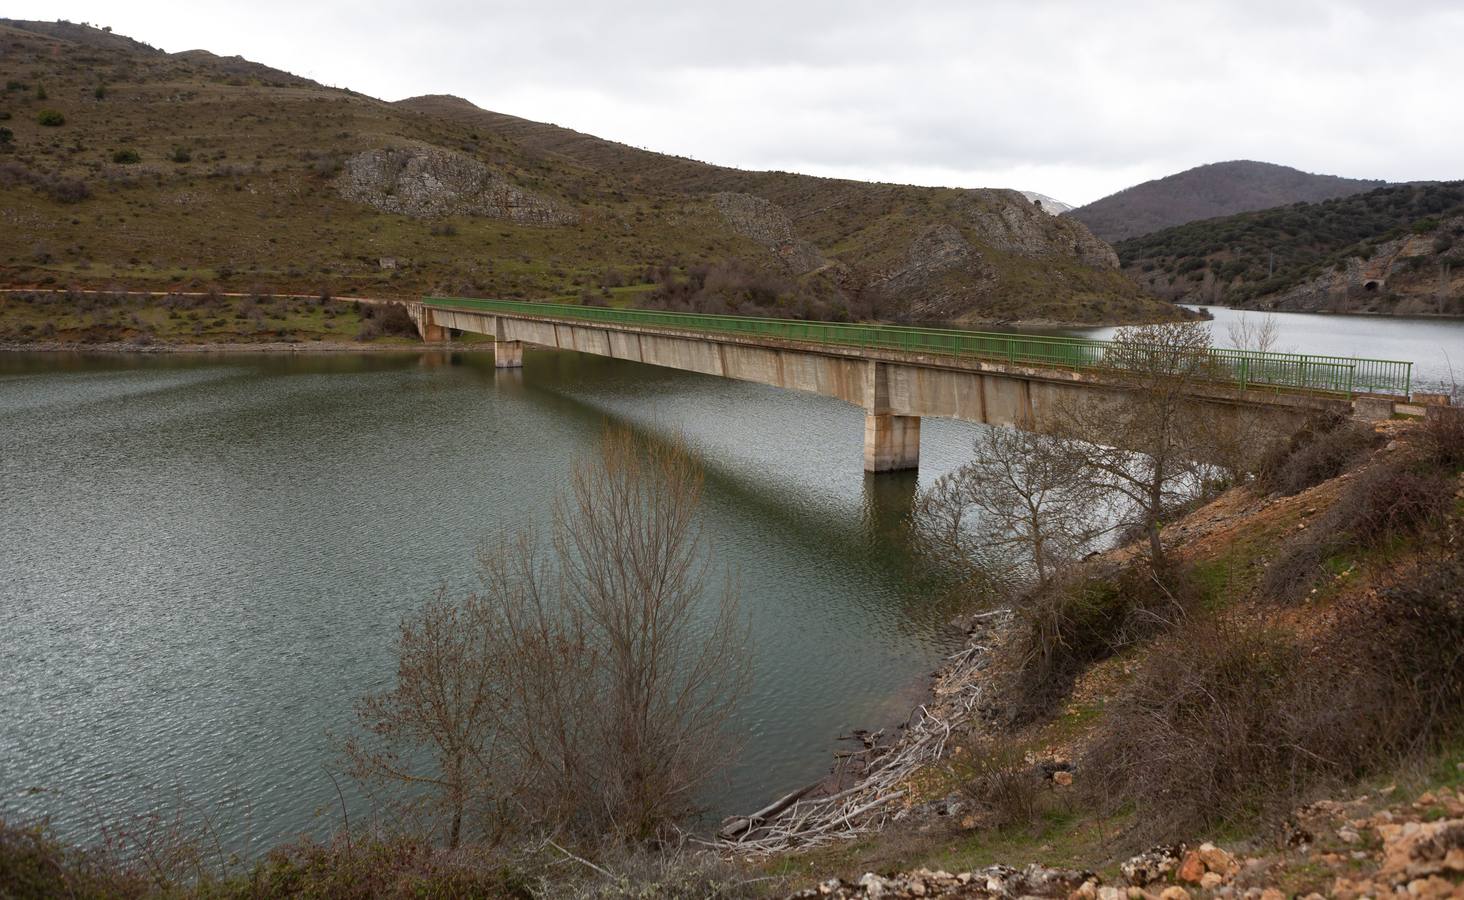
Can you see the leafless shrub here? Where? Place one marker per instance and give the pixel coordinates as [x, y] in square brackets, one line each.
[1002, 785]
[390, 319]
[1328, 444]
[1229, 721]
[636, 873]
[1065, 626]
[585, 688]
[1198, 731]
[1393, 499]
[35, 863]
[368, 865]
[1443, 428]
[1258, 334]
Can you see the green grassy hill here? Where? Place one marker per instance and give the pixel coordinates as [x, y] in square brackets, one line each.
[1393, 250]
[122, 166]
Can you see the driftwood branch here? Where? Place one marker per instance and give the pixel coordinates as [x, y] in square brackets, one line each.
[804, 819]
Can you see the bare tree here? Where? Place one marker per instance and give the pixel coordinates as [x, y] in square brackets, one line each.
[1019, 510]
[630, 545]
[1149, 441]
[445, 700]
[1260, 334]
[607, 662]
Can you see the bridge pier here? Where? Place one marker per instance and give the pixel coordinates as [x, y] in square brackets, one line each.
[891, 442]
[508, 354]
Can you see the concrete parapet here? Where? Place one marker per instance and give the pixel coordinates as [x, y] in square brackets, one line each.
[891, 442]
[508, 354]
[1373, 409]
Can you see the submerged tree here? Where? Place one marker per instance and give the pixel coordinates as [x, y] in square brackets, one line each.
[606, 661]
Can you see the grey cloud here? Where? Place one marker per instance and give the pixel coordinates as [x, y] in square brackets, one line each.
[1086, 94]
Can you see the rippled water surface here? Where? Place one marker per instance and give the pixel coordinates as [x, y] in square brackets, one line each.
[1434, 346]
[205, 558]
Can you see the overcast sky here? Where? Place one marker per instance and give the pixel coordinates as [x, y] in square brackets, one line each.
[1072, 99]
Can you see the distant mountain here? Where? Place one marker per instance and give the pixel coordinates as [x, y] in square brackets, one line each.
[123, 165]
[1050, 206]
[1396, 250]
[1217, 189]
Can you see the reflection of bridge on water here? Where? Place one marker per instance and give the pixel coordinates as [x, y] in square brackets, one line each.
[899, 374]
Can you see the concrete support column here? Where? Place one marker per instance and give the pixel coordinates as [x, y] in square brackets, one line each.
[428, 330]
[891, 442]
[508, 354]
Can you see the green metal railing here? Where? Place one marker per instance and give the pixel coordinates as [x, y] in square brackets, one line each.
[1249, 369]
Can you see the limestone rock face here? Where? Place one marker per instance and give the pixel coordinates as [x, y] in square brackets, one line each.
[766, 223]
[1008, 222]
[940, 272]
[429, 182]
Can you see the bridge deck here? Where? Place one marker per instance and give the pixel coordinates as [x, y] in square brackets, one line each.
[1247, 369]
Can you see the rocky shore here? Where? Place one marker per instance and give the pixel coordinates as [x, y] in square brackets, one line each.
[1365, 847]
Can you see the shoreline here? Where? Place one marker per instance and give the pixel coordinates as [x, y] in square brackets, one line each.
[114, 347]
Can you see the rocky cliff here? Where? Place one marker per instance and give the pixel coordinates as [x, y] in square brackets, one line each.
[429, 182]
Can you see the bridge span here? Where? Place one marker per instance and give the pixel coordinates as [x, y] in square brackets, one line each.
[899, 374]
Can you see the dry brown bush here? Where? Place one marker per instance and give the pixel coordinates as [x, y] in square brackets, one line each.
[1393, 499]
[1005, 789]
[1227, 722]
[1327, 445]
[1064, 627]
[34, 863]
[585, 687]
[1443, 433]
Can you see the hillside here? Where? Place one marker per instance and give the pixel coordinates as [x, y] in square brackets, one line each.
[124, 167]
[1394, 250]
[1293, 693]
[1217, 189]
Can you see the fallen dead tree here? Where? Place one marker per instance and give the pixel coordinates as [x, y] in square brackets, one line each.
[807, 818]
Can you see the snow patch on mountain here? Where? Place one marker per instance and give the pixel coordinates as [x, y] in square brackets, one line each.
[1049, 205]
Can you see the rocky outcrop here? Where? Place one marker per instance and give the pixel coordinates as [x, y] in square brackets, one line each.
[941, 271]
[429, 182]
[1388, 271]
[993, 881]
[766, 223]
[1164, 873]
[1007, 221]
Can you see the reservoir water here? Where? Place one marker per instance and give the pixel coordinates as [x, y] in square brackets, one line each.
[203, 558]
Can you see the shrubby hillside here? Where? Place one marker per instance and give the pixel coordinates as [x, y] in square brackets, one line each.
[125, 167]
[1393, 250]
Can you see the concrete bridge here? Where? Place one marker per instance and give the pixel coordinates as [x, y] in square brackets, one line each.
[899, 375]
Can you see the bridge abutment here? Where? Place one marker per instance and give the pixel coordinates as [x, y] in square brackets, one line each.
[891, 442]
[508, 354]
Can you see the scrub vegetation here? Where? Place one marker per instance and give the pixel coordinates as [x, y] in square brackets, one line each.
[187, 172]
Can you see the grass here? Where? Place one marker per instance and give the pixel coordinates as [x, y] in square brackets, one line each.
[87, 319]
